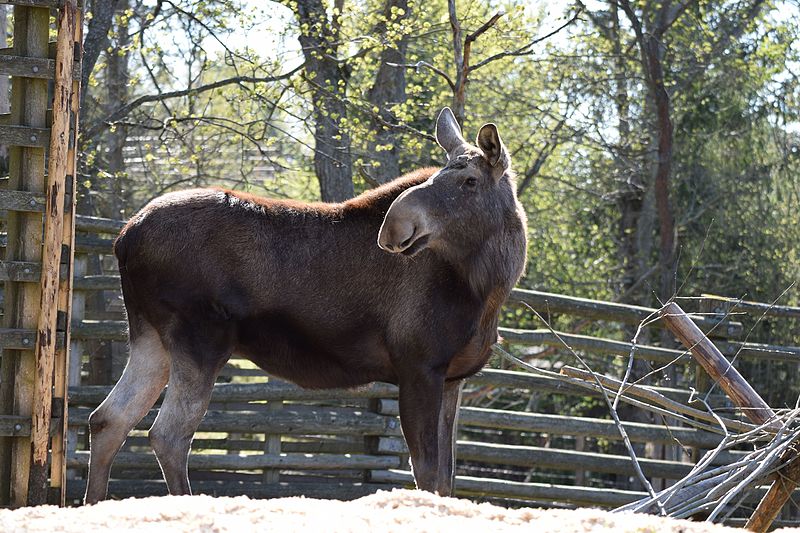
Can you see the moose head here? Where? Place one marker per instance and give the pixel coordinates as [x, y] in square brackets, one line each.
[459, 206]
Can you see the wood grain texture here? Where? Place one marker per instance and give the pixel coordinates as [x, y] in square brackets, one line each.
[58, 167]
[719, 369]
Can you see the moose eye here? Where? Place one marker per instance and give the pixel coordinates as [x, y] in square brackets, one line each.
[471, 183]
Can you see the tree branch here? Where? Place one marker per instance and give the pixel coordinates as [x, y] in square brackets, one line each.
[524, 50]
[416, 66]
[127, 108]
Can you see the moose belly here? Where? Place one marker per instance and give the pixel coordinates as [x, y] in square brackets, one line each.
[312, 358]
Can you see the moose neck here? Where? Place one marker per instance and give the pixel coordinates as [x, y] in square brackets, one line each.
[494, 267]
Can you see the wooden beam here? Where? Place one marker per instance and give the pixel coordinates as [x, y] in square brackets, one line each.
[296, 461]
[20, 271]
[33, 3]
[719, 369]
[291, 420]
[63, 362]
[98, 224]
[482, 487]
[58, 162]
[29, 136]
[756, 309]
[26, 201]
[31, 67]
[546, 303]
[329, 490]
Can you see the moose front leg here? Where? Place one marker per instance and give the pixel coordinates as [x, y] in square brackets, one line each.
[448, 426]
[420, 402]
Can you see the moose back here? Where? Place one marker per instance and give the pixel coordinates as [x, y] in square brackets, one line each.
[305, 292]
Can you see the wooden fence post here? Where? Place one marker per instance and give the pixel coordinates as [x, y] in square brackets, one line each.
[272, 444]
[45, 350]
[26, 173]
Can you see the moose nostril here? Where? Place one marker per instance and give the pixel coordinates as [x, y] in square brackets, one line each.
[406, 242]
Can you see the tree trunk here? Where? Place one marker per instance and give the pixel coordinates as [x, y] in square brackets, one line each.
[328, 79]
[663, 128]
[117, 78]
[389, 89]
[96, 40]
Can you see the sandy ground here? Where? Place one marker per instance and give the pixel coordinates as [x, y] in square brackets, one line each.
[396, 511]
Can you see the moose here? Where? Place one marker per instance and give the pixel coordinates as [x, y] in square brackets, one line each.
[303, 291]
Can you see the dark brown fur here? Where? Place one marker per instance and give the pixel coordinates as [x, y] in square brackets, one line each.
[305, 292]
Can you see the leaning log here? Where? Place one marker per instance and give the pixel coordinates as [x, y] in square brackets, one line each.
[753, 406]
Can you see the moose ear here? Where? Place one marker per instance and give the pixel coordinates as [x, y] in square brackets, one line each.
[448, 133]
[493, 148]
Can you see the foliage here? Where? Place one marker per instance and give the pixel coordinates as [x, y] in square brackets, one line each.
[575, 110]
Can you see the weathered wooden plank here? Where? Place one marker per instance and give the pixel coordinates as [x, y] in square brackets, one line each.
[112, 330]
[298, 461]
[292, 420]
[31, 67]
[15, 426]
[483, 487]
[98, 224]
[581, 426]
[97, 283]
[24, 136]
[92, 244]
[597, 345]
[92, 395]
[756, 309]
[26, 173]
[328, 490]
[45, 349]
[17, 339]
[20, 271]
[569, 460]
[83, 244]
[33, 3]
[64, 362]
[546, 303]
[29, 202]
[592, 344]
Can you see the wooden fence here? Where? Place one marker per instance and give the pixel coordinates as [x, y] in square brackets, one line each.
[37, 200]
[267, 438]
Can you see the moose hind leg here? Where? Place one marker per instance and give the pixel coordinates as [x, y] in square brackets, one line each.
[134, 394]
[187, 398]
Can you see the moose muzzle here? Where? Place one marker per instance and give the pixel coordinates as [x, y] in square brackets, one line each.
[406, 228]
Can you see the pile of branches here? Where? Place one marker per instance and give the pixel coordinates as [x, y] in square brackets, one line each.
[711, 491]
[717, 491]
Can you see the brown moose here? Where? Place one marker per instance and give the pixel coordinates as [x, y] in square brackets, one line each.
[304, 291]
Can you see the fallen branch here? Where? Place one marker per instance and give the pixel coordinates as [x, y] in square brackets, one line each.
[644, 393]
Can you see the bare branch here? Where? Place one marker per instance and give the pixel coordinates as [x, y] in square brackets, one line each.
[472, 37]
[525, 50]
[416, 66]
[127, 108]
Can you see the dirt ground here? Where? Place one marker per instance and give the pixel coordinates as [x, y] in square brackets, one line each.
[401, 511]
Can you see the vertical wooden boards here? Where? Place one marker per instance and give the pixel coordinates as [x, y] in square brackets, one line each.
[58, 469]
[26, 173]
[51, 258]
